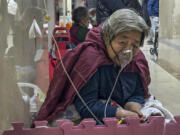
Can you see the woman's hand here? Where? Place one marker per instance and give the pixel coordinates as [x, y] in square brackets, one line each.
[122, 113]
[136, 108]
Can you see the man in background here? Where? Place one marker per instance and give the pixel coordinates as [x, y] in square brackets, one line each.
[106, 7]
[153, 10]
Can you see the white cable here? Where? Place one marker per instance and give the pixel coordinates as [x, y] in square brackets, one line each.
[120, 70]
[122, 67]
[82, 100]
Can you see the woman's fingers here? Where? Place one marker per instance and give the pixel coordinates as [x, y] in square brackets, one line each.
[141, 116]
[121, 113]
[139, 113]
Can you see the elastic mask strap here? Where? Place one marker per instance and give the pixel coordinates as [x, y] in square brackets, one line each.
[115, 52]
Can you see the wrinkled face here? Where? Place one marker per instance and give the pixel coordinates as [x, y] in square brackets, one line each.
[124, 47]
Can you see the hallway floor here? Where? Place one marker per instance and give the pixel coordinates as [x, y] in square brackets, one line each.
[164, 86]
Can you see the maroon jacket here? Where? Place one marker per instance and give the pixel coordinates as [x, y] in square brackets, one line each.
[81, 63]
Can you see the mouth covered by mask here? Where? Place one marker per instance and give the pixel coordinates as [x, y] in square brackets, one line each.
[124, 57]
[94, 18]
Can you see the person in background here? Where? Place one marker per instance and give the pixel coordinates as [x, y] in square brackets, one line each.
[79, 28]
[153, 10]
[106, 7]
[91, 4]
[145, 12]
[134, 5]
[92, 15]
[24, 48]
[109, 57]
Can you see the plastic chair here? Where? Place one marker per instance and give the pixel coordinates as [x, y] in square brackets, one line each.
[32, 101]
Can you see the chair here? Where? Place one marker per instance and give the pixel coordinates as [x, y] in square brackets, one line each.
[31, 100]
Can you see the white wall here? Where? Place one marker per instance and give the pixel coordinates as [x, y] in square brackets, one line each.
[79, 3]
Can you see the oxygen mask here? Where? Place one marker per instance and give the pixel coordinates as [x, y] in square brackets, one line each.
[124, 57]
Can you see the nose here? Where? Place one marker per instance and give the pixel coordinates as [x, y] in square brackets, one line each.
[129, 46]
[128, 50]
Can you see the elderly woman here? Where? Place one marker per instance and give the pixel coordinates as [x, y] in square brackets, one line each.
[79, 28]
[95, 70]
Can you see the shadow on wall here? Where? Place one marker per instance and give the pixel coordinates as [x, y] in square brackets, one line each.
[12, 106]
[166, 18]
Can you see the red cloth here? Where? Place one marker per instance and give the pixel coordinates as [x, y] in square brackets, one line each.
[53, 62]
[85, 59]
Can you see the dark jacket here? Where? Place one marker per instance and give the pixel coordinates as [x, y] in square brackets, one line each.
[133, 4]
[81, 63]
[91, 4]
[153, 7]
[145, 12]
[106, 7]
[128, 88]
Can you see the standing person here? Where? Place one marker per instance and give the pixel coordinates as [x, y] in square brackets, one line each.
[79, 28]
[153, 10]
[24, 48]
[145, 12]
[91, 4]
[110, 56]
[135, 5]
[106, 7]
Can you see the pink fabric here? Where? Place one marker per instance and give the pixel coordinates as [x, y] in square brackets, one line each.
[52, 62]
[85, 59]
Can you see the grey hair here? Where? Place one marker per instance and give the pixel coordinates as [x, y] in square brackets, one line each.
[124, 20]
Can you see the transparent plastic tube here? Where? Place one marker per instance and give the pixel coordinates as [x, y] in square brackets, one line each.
[124, 57]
